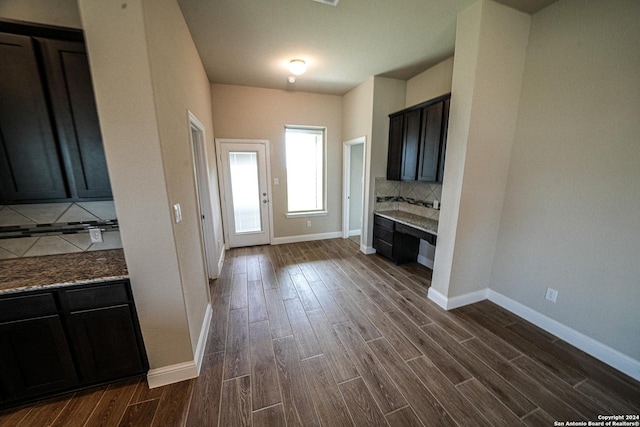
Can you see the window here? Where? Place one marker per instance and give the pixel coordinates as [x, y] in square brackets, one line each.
[305, 170]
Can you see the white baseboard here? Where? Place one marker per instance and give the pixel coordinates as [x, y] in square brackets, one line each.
[425, 261]
[354, 232]
[172, 374]
[202, 339]
[600, 351]
[437, 297]
[306, 238]
[456, 302]
[183, 371]
[367, 250]
[221, 261]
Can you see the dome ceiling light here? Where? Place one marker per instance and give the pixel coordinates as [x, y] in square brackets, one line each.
[297, 66]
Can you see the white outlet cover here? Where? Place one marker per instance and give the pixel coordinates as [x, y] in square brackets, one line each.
[96, 235]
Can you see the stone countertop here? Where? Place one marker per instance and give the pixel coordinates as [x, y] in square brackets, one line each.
[21, 274]
[420, 222]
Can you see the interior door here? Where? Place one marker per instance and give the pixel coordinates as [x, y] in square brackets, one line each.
[246, 196]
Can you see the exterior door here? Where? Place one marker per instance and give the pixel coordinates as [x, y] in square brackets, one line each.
[244, 179]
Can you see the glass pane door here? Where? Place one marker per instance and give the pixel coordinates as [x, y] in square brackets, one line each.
[243, 167]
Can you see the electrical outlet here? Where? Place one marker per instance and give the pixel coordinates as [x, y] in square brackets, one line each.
[308, 223]
[551, 295]
[96, 235]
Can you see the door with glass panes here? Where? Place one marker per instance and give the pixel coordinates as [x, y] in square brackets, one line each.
[243, 167]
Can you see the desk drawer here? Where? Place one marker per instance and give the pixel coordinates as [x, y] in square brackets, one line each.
[381, 222]
[383, 248]
[383, 234]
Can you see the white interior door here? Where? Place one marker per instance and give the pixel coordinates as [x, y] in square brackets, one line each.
[245, 192]
[204, 198]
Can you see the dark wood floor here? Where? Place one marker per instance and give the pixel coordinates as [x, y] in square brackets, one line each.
[318, 334]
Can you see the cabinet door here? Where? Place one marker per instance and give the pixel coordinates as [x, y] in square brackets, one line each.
[411, 145]
[74, 107]
[394, 158]
[430, 142]
[30, 167]
[34, 358]
[105, 343]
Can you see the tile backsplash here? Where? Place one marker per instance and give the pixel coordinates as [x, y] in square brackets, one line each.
[413, 197]
[56, 228]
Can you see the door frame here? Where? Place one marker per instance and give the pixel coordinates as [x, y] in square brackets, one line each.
[201, 175]
[346, 183]
[221, 182]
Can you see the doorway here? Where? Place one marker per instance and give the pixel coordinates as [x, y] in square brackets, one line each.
[244, 184]
[203, 190]
[353, 189]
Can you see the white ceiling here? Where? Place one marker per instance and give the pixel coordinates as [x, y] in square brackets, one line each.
[250, 42]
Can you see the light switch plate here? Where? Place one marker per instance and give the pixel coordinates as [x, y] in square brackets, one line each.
[177, 213]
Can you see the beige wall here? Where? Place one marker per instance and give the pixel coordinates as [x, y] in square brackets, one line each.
[62, 13]
[146, 75]
[429, 84]
[357, 108]
[181, 85]
[571, 215]
[254, 113]
[491, 43]
[366, 111]
[388, 97]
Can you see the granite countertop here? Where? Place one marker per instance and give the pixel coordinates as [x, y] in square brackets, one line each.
[21, 274]
[420, 222]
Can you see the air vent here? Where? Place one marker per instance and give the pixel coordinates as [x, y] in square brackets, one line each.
[329, 2]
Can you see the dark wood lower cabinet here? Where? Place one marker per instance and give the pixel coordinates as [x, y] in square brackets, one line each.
[35, 359]
[67, 339]
[105, 343]
[397, 241]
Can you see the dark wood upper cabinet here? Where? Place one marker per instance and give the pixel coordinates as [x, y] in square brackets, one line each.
[50, 143]
[431, 142]
[30, 166]
[74, 109]
[419, 133]
[410, 145]
[394, 160]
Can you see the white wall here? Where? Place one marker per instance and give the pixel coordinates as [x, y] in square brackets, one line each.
[571, 215]
[254, 113]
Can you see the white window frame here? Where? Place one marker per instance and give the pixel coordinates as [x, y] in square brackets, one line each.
[319, 212]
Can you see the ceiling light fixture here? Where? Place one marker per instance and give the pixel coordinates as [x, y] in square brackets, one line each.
[297, 66]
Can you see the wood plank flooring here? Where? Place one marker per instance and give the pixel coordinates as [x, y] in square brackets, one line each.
[318, 334]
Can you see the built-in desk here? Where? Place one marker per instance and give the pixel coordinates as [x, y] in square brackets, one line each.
[397, 234]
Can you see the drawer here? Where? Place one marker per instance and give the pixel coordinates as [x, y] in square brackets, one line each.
[383, 248]
[97, 296]
[379, 221]
[411, 231]
[27, 306]
[383, 234]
